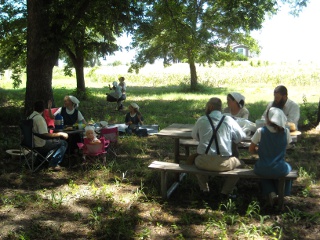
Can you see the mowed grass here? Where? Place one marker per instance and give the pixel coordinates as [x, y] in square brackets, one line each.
[121, 198]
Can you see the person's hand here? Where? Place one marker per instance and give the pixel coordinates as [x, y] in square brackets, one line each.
[64, 135]
[49, 104]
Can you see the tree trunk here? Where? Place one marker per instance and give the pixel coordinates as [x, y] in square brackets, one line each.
[81, 87]
[42, 54]
[193, 72]
[318, 118]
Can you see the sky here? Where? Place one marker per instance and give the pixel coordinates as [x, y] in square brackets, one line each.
[288, 38]
[282, 38]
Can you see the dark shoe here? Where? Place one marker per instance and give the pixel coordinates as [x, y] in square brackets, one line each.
[55, 168]
[204, 194]
[228, 196]
[120, 107]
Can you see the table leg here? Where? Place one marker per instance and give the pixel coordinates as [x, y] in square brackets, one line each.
[176, 150]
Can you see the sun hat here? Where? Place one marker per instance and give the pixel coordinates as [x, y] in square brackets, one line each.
[90, 128]
[74, 100]
[238, 97]
[115, 84]
[134, 105]
[276, 116]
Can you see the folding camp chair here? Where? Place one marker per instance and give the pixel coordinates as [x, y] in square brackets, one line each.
[93, 151]
[33, 157]
[112, 135]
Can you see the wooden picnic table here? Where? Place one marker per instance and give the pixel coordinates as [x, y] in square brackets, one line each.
[179, 131]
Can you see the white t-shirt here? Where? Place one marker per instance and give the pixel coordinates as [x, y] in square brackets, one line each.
[290, 109]
[39, 126]
[256, 138]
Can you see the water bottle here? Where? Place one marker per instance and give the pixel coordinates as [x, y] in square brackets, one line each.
[58, 122]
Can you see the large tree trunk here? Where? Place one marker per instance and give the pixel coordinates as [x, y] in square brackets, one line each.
[193, 71]
[318, 118]
[81, 87]
[77, 59]
[42, 54]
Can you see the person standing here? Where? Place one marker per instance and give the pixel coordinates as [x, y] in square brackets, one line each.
[273, 140]
[123, 97]
[289, 107]
[215, 134]
[45, 146]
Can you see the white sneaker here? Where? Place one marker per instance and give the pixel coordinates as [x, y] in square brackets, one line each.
[272, 196]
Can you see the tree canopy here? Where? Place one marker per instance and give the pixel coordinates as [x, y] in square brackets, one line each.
[194, 31]
[198, 31]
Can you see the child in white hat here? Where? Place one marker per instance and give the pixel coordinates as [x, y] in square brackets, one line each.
[91, 135]
[273, 140]
[133, 119]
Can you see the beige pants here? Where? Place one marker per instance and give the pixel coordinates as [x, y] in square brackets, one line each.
[217, 164]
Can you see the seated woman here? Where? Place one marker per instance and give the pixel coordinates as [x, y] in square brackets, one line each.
[236, 107]
[133, 119]
[116, 95]
[69, 111]
[71, 115]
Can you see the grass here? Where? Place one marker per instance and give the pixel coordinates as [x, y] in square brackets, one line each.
[121, 198]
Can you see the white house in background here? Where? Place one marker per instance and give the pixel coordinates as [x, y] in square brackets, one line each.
[241, 49]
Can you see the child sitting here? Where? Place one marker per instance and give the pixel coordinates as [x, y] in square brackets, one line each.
[273, 140]
[91, 135]
[134, 119]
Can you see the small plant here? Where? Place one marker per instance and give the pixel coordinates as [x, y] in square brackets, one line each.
[56, 199]
[229, 207]
[293, 216]
[145, 234]
[253, 209]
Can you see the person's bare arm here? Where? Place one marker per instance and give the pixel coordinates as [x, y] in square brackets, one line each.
[49, 108]
[253, 148]
[57, 134]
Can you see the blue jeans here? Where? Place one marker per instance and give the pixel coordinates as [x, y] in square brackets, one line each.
[57, 158]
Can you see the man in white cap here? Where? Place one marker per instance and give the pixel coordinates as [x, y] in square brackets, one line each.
[289, 107]
[236, 107]
[273, 140]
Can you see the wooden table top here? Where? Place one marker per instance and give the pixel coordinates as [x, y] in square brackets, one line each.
[176, 130]
[179, 130]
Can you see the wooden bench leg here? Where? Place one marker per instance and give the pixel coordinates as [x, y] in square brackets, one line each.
[164, 175]
[281, 188]
[187, 151]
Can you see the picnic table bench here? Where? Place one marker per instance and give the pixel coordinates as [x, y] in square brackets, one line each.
[167, 167]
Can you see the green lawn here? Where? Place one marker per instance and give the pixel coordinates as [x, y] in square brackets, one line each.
[121, 199]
